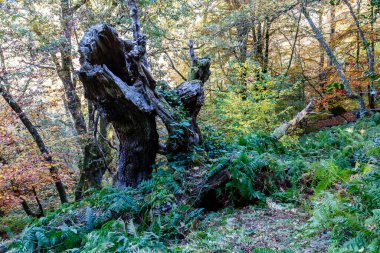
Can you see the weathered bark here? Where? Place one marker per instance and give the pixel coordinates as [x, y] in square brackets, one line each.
[123, 90]
[370, 58]
[279, 132]
[38, 140]
[115, 83]
[335, 62]
[64, 70]
[91, 169]
[136, 27]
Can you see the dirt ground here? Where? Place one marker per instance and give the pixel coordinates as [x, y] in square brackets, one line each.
[249, 229]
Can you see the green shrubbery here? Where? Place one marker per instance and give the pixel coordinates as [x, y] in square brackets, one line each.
[346, 180]
[335, 173]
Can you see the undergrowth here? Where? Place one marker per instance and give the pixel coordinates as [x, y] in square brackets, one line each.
[333, 173]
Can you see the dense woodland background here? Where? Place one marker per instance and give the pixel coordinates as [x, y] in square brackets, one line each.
[125, 125]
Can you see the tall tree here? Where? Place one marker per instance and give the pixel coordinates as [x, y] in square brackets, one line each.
[118, 82]
[38, 140]
[370, 57]
[93, 166]
[333, 59]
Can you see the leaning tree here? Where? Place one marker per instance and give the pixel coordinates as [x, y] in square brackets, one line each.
[118, 81]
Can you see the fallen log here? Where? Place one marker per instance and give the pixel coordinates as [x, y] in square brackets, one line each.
[279, 132]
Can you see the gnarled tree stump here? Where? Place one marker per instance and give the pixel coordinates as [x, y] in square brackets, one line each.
[122, 88]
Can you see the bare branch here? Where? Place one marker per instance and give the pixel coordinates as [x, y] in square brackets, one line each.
[173, 66]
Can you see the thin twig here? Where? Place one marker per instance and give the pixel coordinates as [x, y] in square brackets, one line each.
[173, 66]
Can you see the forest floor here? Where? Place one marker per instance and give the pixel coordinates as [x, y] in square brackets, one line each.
[247, 229]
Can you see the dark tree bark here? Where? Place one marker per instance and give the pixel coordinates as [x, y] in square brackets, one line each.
[38, 140]
[40, 208]
[260, 43]
[266, 51]
[28, 210]
[334, 61]
[136, 27]
[91, 169]
[124, 91]
[115, 82]
[370, 57]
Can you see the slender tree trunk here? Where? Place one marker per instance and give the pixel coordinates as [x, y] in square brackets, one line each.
[28, 211]
[334, 61]
[370, 57]
[358, 37]
[136, 26]
[242, 39]
[294, 45]
[266, 52]
[38, 140]
[332, 31]
[91, 167]
[322, 73]
[3, 161]
[260, 56]
[254, 37]
[41, 209]
[65, 70]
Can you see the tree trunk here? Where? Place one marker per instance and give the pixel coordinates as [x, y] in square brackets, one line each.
[41, 209]
[65, 70]
[91, 169]
[370, 58]
[322, 73]
[334, 61]
[260, 46]
[294, 45]
[279, 132]
[332, 32]
[27, 209]
[266, 51]
[124, 91]
[137, 150]
[38, 140]
[114, 82]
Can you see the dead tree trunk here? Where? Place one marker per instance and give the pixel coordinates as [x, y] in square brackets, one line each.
[279, 132]
[113, 79]
[124, 91]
